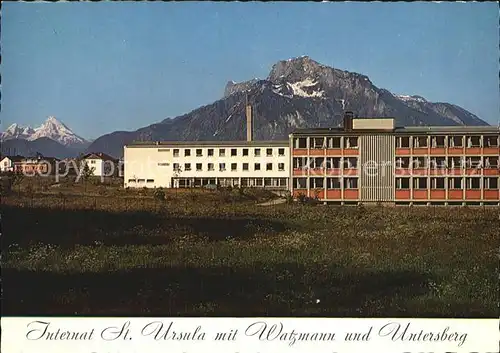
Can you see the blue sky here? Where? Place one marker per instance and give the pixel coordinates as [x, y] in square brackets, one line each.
[101, 67]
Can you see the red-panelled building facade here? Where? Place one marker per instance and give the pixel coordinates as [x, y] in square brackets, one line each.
[372, 161]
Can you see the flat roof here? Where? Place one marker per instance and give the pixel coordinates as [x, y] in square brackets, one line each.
[257, 143]
[402, 130]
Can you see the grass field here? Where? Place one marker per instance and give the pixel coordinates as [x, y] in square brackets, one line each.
[216, 253]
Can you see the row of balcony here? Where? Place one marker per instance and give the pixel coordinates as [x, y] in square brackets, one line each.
[401, 151]
[428, 194]
[398, 171]
[416, 142]
[451, 194]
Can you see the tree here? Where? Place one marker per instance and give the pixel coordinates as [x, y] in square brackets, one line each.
[17, 178]
[177, 173]
[87, 173]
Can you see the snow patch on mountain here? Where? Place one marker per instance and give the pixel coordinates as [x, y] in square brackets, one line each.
[304, 88]
[413, 98]
[51, 128]
[295, 120]
[278, 89]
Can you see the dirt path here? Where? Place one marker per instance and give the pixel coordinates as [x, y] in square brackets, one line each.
[272, 202]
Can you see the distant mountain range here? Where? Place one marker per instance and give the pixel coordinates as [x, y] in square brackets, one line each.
[51, 139]
[298, 93]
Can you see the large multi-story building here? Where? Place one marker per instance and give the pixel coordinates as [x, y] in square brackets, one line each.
[365, 161]
[179, 164]
[371, 161]
[202, 163]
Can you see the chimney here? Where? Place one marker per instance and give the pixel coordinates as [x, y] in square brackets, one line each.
[348, 116]
[249, 122]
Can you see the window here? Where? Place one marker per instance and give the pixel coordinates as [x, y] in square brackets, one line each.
[490, 141]
[176, 152]
[210, 166]
[473, 141]
[299, 162]
[187, 166]
[281, 166]
[437, 183]
[175, 167]
[473, 162]
[403, 162]
[491, 183]
[300, 142]
[455, 141]
[281, 152]
[438, 141]
[92, 162]
[222, 167]
[403, 142]
[438, 162]
[491, 162]
[402, 183]
[333, 142]
[300, 183]
[455, 183]
[187, 152]
[269, 166]
[256, 166]
[420, 183]
[350, 183]
[210, 152]
[473, 183]
[282, 181]
[222, 152]
[333, 162]
[419, 163]
[420, 142]
[269, 152]
[234, 166]
[268, 181]
[350, 162]
[198, 167]
[317, 183]
[318, 142]
[150, 180]
[245, 166]
[199, 152]
[350, 142]
[245, 152]
[317, 162]
[455, 162]
[141, 180]
[333, 183]
[257, 152]
[234, 152]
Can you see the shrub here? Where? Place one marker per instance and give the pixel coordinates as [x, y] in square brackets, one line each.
[159, 194]
[29, 189]
[306, 200]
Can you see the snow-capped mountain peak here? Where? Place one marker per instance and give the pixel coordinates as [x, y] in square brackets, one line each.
[17, 131]
[51, 128]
